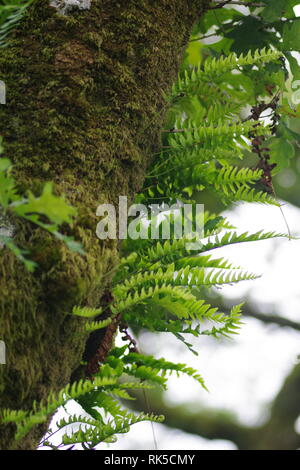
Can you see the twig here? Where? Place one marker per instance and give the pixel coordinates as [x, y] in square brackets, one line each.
[204, 37]
[275, 319]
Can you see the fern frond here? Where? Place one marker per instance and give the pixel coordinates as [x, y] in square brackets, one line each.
[97, 325]
[162, 365]
[231, 238]
[92, 436]
[144, 294]
[205, 261]
[183, 159]
[213, 135]
[86, 312]
[11, 13]
[174, 250]
[245, 194]
[41, 411]
[231, 323]
[191, 80]
[230, 179]
[232, 61]
[185, 277]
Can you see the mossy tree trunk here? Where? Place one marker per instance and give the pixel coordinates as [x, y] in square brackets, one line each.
[85, 106]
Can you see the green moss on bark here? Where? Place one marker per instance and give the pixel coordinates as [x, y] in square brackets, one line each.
[85, 105]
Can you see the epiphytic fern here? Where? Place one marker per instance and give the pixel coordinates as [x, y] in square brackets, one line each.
[190, 81]
[11, 12]
[159, 284]
[94, 428]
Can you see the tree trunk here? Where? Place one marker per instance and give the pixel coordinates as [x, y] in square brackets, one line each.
[85, 106]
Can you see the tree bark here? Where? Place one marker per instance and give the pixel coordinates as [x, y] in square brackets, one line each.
[85, 106]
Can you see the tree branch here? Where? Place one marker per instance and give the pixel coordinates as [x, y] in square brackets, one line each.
[277, 433]
[209, 424]
[204, 37]
[275, 319]
[250, 311]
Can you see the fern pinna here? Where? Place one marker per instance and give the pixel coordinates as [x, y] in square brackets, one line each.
[11, 12]
[159, 283]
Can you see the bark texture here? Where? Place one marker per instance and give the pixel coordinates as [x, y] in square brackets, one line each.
[85, 105]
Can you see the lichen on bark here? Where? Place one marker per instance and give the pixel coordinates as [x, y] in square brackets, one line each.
[68, 6]
[85, 106]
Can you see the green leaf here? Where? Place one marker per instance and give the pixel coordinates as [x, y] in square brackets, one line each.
[212, 19]
[7, 183]
[193, 52]
[291, 36]
[18, 252]
[54, 207]
[274, 10]
[72, 244]
[295, 69]
[281, 152]
[5, 163]
[249, 35]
